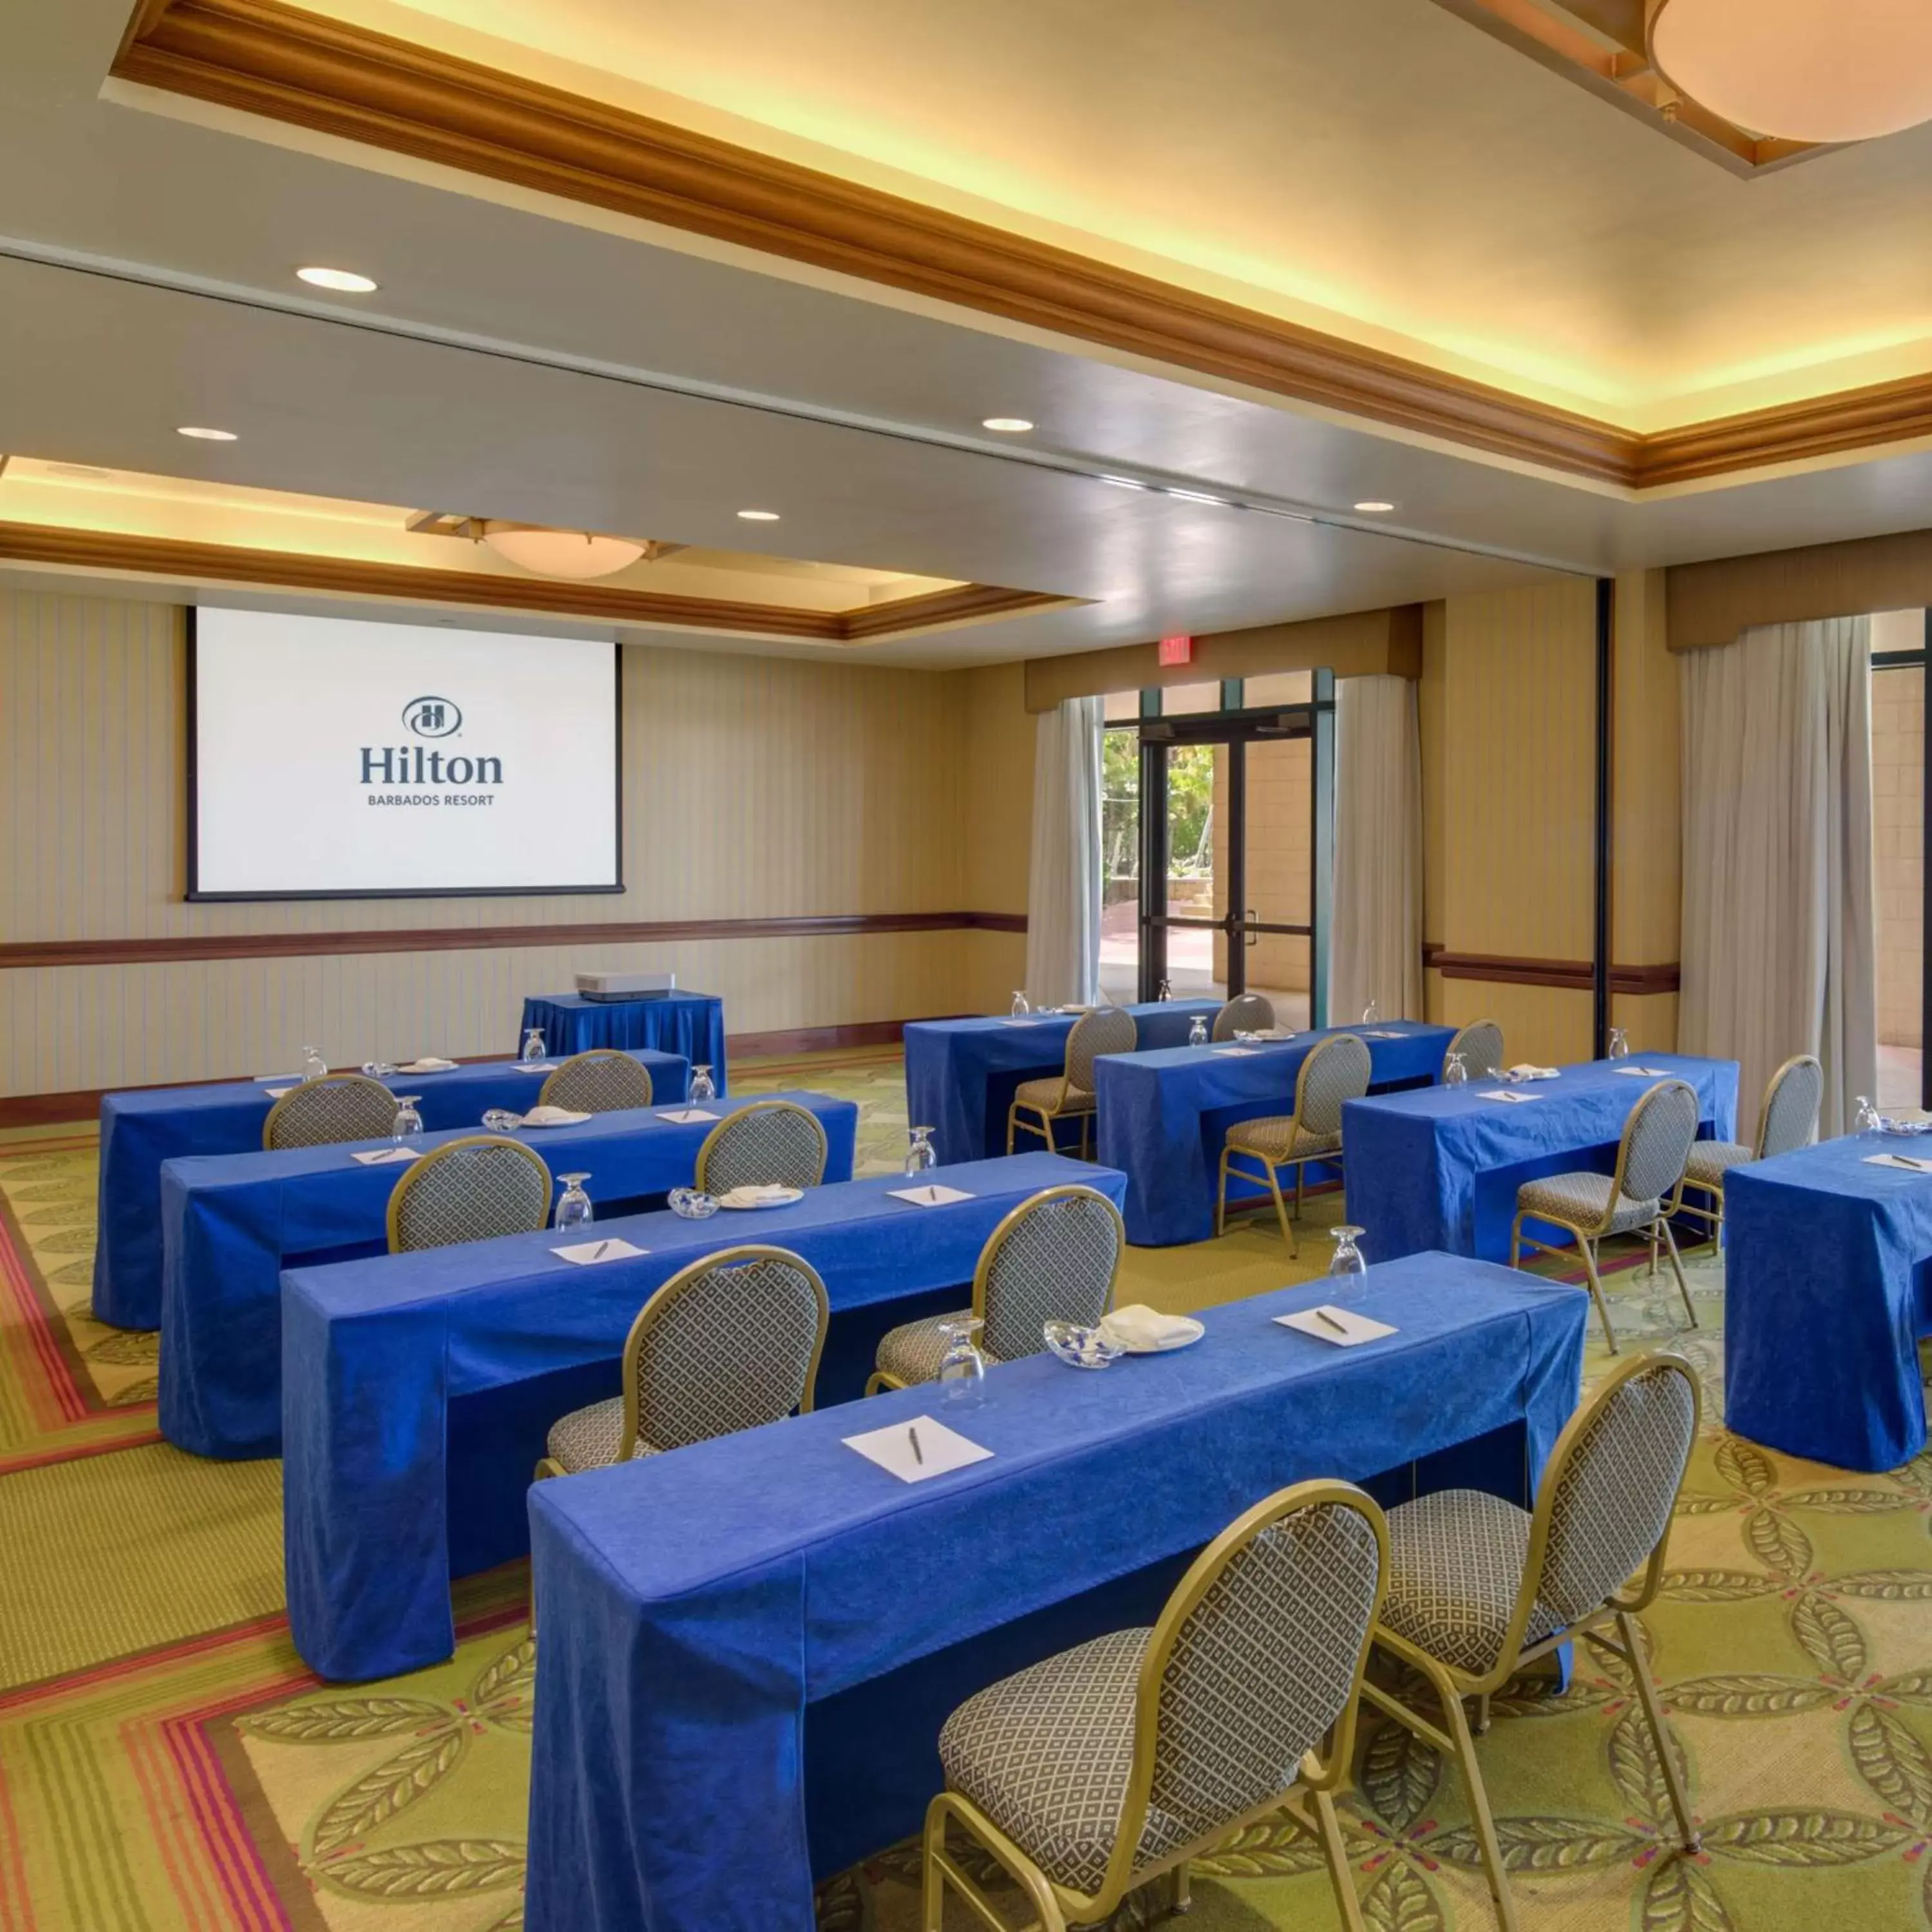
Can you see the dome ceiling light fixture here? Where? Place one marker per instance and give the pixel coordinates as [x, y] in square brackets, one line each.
[565, 553]
[1815, 70]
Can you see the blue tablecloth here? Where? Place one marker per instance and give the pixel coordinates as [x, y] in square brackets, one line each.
[391, 1489]
[140, 1130]
[1440, 1169]
[1164, 1116]
[232, 1223]
[748, 1646]
[1828, 1287]
[961, 1074]
[692, 1023]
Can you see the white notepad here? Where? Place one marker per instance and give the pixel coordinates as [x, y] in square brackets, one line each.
[917, 1449]
[382, 1156]
[1034, 1020]
[934, 1194]
[1350, 1330]
[1644, 1072]
[534, 1066]
[292, 1078]
[276, 1092]
[1916, 1163]
[1236, 1052]
[587, 1253]
[1384, 1034]
[1508, 1096]
[684, 1117]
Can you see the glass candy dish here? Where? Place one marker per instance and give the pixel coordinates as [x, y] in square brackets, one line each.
[688, 1204]
[1080, 1348]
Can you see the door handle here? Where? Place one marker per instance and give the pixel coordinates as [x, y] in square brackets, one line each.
[1253, 938]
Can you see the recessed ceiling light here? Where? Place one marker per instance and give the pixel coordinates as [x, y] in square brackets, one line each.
[207, 435]
[1374, 507]
[1123, 483]
[1007, 425]
[344, 281]
[1199, 496]
[759, 516]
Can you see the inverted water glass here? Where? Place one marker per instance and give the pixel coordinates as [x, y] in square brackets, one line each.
[573, 1206]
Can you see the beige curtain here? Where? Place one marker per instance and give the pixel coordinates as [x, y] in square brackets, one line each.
[1779, 948]
[1063, 888]
[1376, 941]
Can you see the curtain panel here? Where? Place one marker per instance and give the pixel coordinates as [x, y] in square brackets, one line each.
[1063, 955]
[1375, 945]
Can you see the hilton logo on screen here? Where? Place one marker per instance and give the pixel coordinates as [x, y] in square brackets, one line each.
[428, 717]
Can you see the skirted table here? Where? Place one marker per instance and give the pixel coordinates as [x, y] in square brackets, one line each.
[418, 1389]
[748, 1645]
[142, 1129]
[1828, 1288]
[232, 1223]
[692, 1023]
[961, 1074]
[1164, 1116]
[1440, 1169]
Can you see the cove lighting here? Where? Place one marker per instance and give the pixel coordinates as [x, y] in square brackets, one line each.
[758, 516]
[208, 435]
[344, 281]
[1199, 496]
[1374, 507]
[1123, 482]
[1007, 425]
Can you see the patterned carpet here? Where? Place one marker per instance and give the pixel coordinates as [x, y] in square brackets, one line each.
[167, 1765]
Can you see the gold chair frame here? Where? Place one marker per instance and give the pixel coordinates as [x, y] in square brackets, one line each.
[1452, 1685]
[412, 1176]
[335, 1080]
[1713, 1217]
[555, 1077]
[1587, 1238]
[880, 1379]
[1321, 1777]
[1270, 1169]
[1462, 1034]
[661, 1301]
[1060, 1110]
[756, 1107]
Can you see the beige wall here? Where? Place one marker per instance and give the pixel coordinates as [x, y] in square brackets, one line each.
[1898, 829]
[753, 787]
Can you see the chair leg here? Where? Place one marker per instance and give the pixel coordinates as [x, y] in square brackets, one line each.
[1688, 1835]
[1458, 1727]
[1338, 1861]
[1589, 1252]
[1677, 1269]
[932, 1887]
[1221, 1199]
[1183, 1899]
[1287, 1233]
[1516, 1242]
[1013, 1124]
[1483, 1715]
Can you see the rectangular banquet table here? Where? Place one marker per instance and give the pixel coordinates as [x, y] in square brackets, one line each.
[232, 1223]
[961, 1074]
[406, 1464]
[1828, 1287]
[1164, 1116]
[1439, 1169]
[141, 1129]
[690, 1024]
[748, 1646]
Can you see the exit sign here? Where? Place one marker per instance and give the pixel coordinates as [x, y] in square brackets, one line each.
[1177, 650]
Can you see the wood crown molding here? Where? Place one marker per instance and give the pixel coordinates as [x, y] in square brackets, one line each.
[266, 59]
[295, 570]
[1570, 975]
[24, 954]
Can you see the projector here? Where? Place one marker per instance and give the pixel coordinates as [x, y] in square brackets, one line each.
[625, 985]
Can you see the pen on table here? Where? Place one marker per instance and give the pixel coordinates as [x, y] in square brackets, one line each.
[599, 1254]
[918, 1455]
[1322, 1315]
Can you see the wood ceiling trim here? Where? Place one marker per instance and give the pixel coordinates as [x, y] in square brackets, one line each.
[276, 60]
[293, 570]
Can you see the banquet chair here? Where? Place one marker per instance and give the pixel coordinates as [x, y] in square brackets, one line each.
[1054, 1257]
[1246, 1012]
[1481, 1044]
[1640, 1198]
[602, 1081]
[1787, 1120]
[770, 1144]
[1478, 1587]
[1069, 1094]
[1088, 1775]
[344, 1107]
[1335, 1071]
[473, 1190]
[730, 1342]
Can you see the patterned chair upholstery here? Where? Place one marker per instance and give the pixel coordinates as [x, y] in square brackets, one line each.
[1335, 1071]
[1054, 1257]
[1246, 1012]
[1787, 1120]
[472, 1189]
[730, 1342]
[1069, 1095]
[1100, 1769]
[601, 1081]
[1640, 1198]
[770, 1144]
[1478, 1587]
[1481, 1044]
[319, 1113]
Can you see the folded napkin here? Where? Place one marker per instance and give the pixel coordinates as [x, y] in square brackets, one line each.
[1140, 1327]
[769, 1191]
[553, 1117]
[428, 1063]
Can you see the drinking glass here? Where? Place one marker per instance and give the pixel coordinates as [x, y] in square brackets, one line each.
[962, 1369]
[1197, 1034]
[921, 1154]
[1348, 1261]
[408, 1122]
[380, 1070]
[573, 1205]
[1020, 1005]
[314, 1066]
[1166, 991]
[1371, 1014]
[1866, 1119]
[703, 1086]
[1455, 1073]
[1619, 1044]
[533, 1046]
